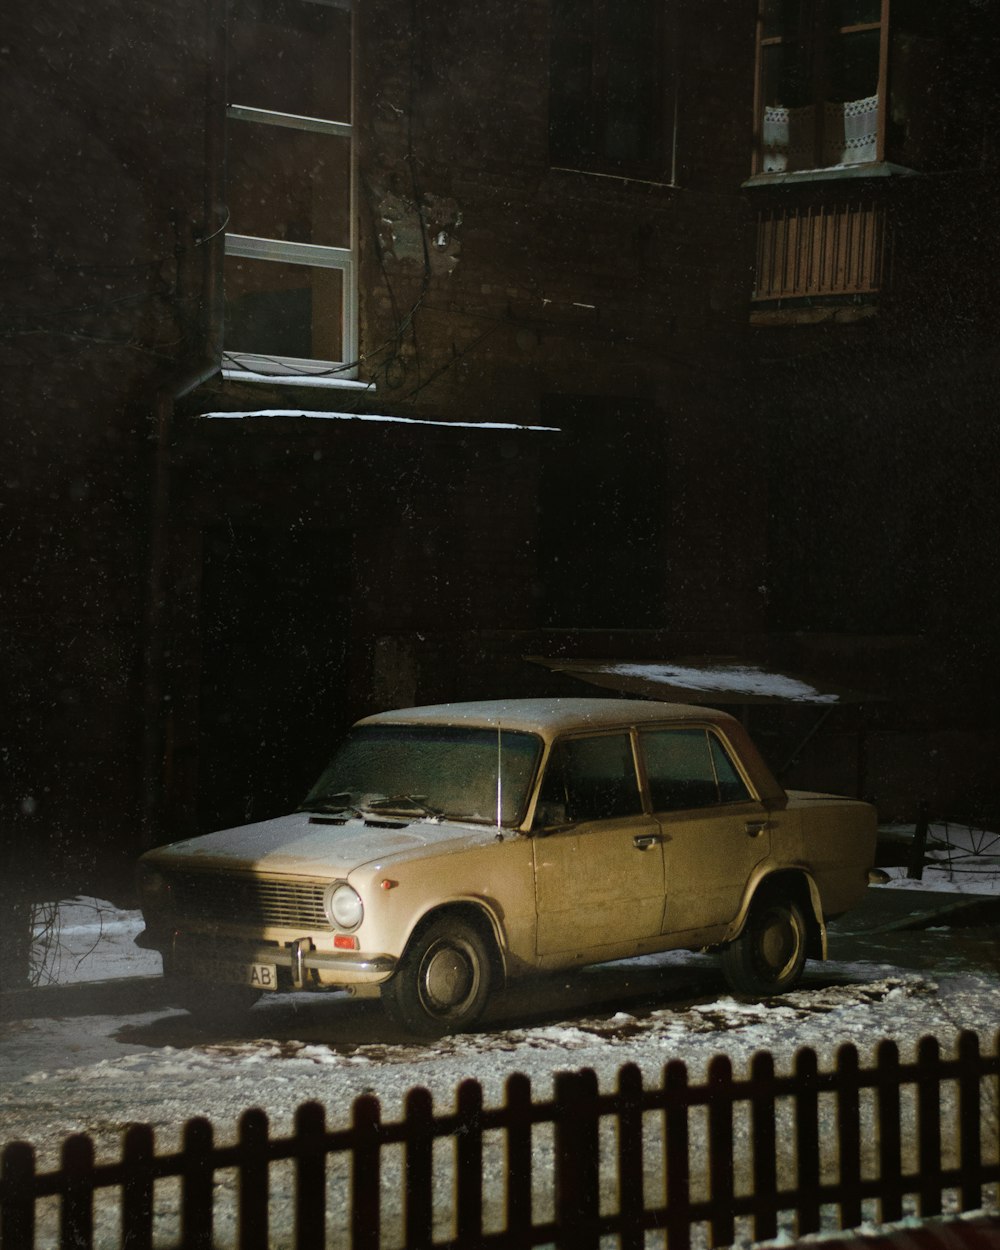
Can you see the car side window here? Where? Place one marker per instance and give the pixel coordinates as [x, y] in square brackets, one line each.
[689, 768]
[592, 779]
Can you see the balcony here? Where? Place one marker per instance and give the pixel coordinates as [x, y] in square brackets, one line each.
[831, 253]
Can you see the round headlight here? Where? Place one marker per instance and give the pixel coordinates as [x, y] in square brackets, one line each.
[344, 907]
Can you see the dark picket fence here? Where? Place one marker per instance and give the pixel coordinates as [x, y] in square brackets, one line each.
[856, 1142]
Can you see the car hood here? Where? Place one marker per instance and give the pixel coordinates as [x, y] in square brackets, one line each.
[302, 844]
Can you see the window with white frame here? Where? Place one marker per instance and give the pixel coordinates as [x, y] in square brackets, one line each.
[290, 267]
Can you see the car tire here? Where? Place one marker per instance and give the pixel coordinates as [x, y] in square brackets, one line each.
[443, 980]
[216, 1004]
[769, 954]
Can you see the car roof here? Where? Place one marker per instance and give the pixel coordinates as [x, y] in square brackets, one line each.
[551, 716]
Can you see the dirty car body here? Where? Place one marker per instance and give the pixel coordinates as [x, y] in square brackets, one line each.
[449, 849]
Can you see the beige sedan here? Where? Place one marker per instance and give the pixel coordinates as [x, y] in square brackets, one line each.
[449, 849]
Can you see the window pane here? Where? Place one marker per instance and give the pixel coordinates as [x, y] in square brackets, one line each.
[788, 124]
[787, 81]
[277, 309]
[594, 777]
[851, 112]
[732, 788]
[854, 65]
[854, 12]
[571, 128]
[679, 769]
[289, 184]
[291, 56]
[606, 92]
[633, 74]
[782, 18]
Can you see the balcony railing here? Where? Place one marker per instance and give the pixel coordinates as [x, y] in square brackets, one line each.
[820, 250]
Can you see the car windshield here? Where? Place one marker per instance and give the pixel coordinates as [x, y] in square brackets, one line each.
[436, 770]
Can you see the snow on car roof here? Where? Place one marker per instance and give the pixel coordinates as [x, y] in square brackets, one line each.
[549, 715]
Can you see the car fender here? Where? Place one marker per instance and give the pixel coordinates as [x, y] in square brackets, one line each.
[481, 908]
[798, 880]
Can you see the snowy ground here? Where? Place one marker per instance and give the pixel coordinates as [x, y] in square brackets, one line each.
[92, 1054]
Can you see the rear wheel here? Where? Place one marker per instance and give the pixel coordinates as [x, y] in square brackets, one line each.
[443, 981]
[769, 955]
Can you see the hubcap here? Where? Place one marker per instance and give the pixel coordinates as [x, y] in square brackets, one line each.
[778, 942]
[448, 977]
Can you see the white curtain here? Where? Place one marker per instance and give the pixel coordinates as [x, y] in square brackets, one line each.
[789, 137]
[850, 131]
[850, 135]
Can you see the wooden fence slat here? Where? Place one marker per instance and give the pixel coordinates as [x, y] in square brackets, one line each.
[469, 1164]
[366, 1211]
[419, 1167]
[970, 1121]
[720, 1150]
[197, 1176]
[254, 1181]
[763, 1128]
[17, 1205]
[137, 1191]
[577, 1185]
[929, 1124]
[889, 1132]
[76, 1223]
[807, 1141]
[310, 1177]
[519, 1121]
[631, 1194]
[849, 1135]
[677, 1155]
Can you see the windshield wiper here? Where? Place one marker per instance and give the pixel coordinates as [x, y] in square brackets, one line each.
[330, 803]
[403, 804]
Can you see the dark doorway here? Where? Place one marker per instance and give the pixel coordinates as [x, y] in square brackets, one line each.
[601, 522]
[274, 638]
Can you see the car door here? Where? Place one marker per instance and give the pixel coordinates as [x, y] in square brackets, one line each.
[599, 867]
[714, 830]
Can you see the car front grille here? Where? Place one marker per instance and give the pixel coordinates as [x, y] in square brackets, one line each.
[249, 900]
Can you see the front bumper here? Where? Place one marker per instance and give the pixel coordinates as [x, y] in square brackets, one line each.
[197, 956]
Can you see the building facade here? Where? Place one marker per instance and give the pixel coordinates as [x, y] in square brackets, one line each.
[358, 352]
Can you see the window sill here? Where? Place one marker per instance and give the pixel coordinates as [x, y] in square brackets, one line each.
[833, 173]
[613, 176]
[279, 371]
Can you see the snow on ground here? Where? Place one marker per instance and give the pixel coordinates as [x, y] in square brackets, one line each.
[107, 1054]
[963, 859]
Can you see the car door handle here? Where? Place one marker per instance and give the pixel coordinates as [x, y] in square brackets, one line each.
[755, 827]
[643, 841]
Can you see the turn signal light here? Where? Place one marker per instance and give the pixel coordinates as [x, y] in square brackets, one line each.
[345, 942]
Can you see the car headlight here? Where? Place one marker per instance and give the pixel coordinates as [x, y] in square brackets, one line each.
[344, 906]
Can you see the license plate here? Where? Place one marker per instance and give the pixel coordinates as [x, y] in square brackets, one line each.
[257, 976]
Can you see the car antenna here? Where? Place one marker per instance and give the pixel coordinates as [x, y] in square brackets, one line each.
[499, 781]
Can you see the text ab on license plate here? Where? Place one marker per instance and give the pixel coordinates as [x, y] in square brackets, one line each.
[257, 976]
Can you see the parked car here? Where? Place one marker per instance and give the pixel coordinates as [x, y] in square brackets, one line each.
[447, 850]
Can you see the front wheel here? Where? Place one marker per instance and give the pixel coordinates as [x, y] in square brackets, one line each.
[768, 956]
[443, 981]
